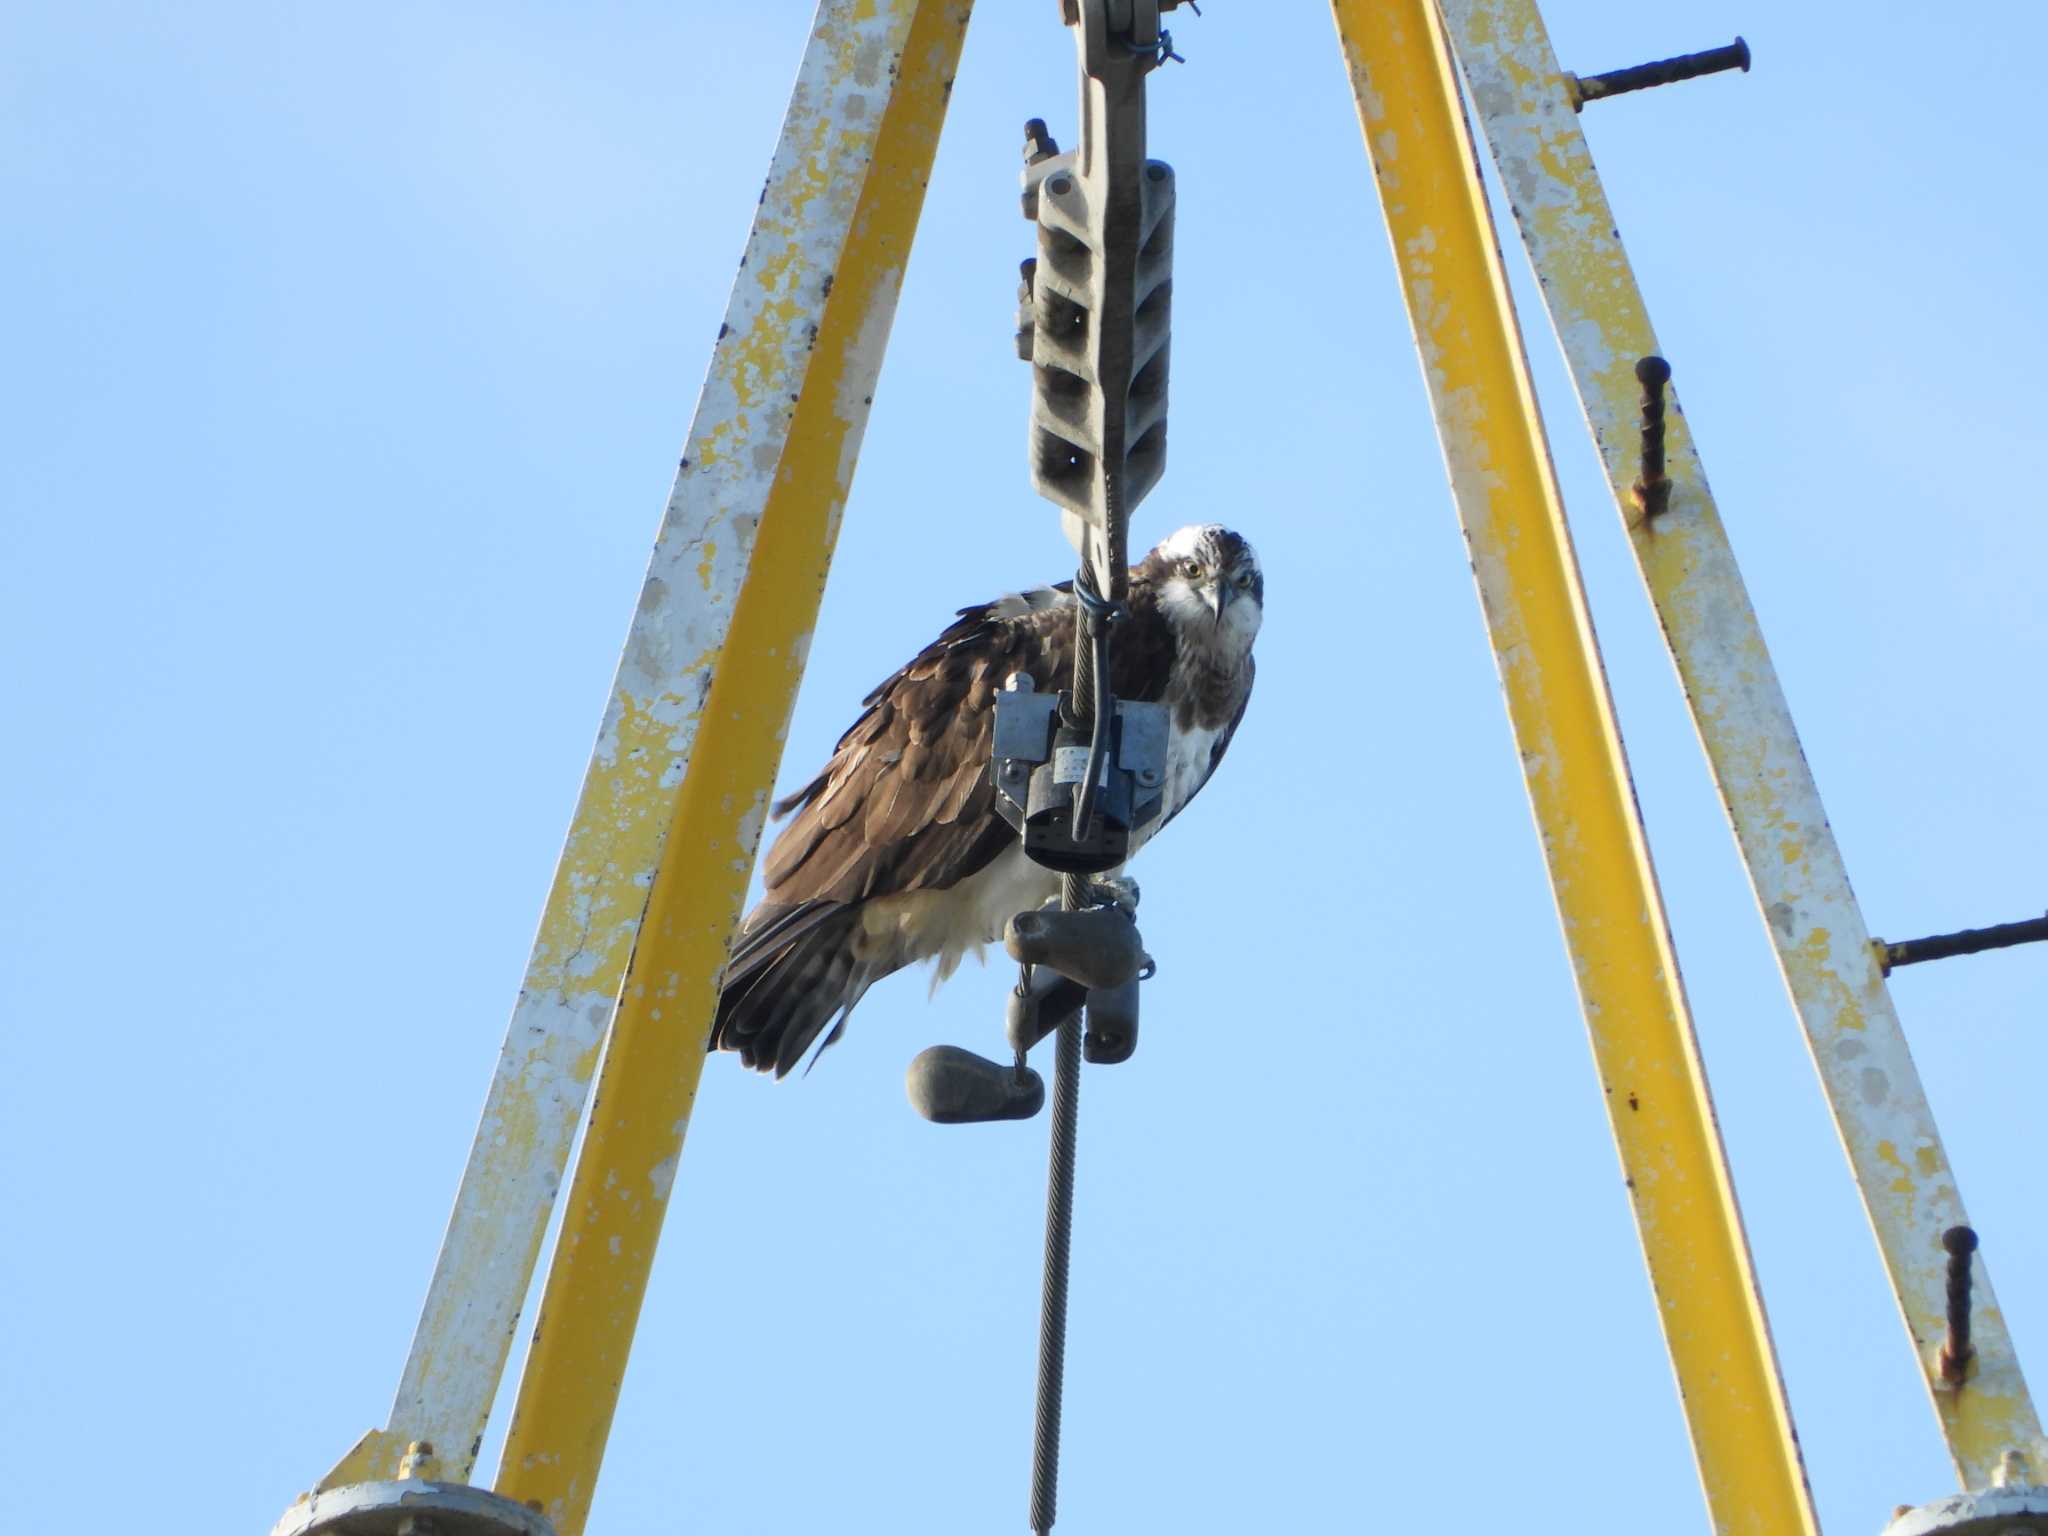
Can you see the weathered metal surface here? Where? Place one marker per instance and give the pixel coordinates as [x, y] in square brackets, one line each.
[2016, 1510]
[1573, 763]
[803, 323]
[774, 448]
[402, 1508]
[1745, 725]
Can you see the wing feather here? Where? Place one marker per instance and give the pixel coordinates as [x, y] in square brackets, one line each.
[958, 792]
[905, 802]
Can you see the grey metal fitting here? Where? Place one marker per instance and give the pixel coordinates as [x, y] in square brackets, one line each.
[410, 1507]
[1039, 766]
[951, 1086]
[1100, 293]
[1099, 948]
[1040, 1006]
[1100, 340]
[2016, 1510]
[1112, 1024]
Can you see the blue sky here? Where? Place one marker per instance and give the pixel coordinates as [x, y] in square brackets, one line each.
[351, 355]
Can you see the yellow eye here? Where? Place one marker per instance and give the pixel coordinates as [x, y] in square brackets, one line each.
[1191, 569]
[1244, 578]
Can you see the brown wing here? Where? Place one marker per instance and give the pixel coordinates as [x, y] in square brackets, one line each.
[906, 802]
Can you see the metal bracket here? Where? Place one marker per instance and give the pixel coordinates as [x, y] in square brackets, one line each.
[1097, 948]
[1041, 759]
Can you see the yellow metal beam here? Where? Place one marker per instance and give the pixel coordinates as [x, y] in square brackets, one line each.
[1577, 776]
[1795, 866]
[595, 1285]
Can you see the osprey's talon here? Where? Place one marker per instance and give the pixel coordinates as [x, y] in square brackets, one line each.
[1119, 891]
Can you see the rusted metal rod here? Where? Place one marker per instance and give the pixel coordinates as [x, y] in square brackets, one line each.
[1960, 1242]
[1686, 66]
[1653, 487]
[1969, 941]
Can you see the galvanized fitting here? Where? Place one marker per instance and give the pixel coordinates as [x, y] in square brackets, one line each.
[410, 1507]
[2015, 1511]
[1099, 948]
[1112, 1035]
[1041, 762]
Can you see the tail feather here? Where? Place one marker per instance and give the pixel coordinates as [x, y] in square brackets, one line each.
[793, 970]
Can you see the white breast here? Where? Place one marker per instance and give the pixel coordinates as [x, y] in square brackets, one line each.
[1189, 756]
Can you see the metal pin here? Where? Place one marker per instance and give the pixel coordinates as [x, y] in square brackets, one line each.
[1686, 66]
[1652, 487]
[1039, 143]
[1968, 941]
[1956, 1352]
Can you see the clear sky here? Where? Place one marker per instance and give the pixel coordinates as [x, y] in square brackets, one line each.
[350, 354]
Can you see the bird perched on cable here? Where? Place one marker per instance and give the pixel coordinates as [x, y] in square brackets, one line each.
[897, 852]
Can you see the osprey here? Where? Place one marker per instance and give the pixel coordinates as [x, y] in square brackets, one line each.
[897, 852]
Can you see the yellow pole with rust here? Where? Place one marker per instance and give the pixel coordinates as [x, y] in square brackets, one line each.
[1745, 724]
[1577, 776]
[595, 1285]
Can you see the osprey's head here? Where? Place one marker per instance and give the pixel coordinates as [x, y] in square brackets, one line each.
[1209, 585]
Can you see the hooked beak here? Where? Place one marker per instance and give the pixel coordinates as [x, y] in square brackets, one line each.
[1219, 594]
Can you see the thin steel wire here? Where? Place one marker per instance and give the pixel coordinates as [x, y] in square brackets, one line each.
[1052, 1309]
[1066, 1079]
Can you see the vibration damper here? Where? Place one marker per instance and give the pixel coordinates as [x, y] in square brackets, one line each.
[951, 1086]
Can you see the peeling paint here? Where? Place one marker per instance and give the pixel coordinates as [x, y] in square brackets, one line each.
[1576, 773]
[731, 464]
[1744, 721]
[862, 185]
